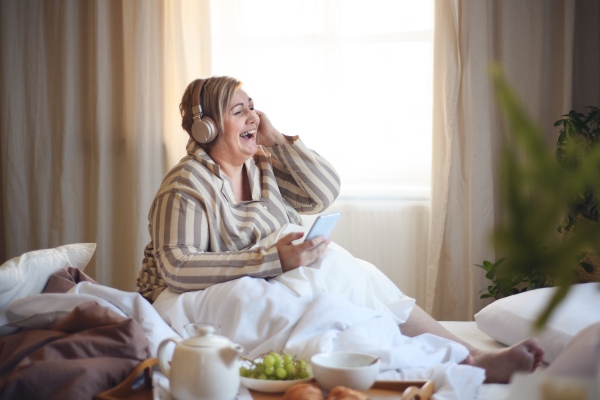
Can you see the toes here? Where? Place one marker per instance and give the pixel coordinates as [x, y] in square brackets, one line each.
[532, 345]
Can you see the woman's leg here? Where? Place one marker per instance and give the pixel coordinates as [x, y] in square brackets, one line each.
[499, 365]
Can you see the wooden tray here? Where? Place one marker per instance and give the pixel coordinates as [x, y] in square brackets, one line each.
[125, 390]
[398, 390]
[407, 390]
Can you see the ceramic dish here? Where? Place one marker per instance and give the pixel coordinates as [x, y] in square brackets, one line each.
[261, 385]
[354, 370]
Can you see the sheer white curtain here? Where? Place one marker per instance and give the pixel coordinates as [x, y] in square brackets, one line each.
[89, 121]
[533, 41]
[354, 80]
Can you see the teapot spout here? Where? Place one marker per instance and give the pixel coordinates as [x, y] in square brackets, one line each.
[230, 354]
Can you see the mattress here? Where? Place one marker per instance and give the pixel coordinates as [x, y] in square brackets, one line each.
[469, 332]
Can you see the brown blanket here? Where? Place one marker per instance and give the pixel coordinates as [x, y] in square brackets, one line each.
[64, 279]
[87, 352]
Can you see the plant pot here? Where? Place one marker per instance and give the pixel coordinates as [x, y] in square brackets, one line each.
[590, 254]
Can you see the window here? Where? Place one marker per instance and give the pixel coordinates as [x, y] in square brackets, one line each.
[352, 78]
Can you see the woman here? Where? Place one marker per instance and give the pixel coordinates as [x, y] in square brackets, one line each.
[228, 194]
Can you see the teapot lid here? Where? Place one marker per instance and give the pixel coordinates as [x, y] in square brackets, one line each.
[206, 338]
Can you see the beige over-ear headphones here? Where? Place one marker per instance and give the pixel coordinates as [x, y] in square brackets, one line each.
[204, 129]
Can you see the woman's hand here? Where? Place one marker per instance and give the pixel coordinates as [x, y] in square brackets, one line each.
[267, 135]
[293, 256]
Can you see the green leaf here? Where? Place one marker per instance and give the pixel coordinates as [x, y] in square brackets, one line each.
[480, 266]
[559, 122]
[561, 138]
[505, 287]
[487, 265]
[491, 273]
[500, 261]
[537, 281]
[485, 296]
[560, 156]
[588, 267]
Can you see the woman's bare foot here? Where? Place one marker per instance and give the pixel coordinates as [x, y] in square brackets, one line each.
[499, 365]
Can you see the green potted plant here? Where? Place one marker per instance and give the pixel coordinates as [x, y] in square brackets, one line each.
[579, 135]
[504, 284]
[535, 189]
[584, 134]
[586, 130]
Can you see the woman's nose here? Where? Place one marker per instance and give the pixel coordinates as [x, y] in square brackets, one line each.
[252, 117]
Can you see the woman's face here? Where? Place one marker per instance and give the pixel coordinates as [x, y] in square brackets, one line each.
[239, 131]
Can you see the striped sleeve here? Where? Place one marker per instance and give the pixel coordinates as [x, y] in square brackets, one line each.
[306, 180]
[181, 236]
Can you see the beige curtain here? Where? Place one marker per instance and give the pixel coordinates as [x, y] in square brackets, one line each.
[89, 121]
[533, 41]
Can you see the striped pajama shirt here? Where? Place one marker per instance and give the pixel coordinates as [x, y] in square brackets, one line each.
[201, 236]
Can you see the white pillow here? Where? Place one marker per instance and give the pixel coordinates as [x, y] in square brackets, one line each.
[28, 274]
[510, 320]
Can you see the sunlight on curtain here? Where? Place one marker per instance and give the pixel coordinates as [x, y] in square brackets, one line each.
[353, 79]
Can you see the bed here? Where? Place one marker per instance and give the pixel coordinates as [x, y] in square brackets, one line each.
[22, 305]
[469, 332]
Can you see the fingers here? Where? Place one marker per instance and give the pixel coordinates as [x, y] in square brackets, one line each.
[309, 244]
[290, 237]
[293, 256]
[318, 250]
[304, 246]
[310, 252]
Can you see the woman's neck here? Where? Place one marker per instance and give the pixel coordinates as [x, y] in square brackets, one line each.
[239, 178]
[230, 168]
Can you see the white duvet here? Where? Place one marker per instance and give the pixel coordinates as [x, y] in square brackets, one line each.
[338, 303]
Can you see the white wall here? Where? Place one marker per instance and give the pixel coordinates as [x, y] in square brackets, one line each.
[390, 234]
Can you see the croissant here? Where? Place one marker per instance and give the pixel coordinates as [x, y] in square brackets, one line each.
[344, 393]
[303, 391]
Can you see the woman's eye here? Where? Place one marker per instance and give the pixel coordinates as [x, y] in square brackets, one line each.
[237, 113]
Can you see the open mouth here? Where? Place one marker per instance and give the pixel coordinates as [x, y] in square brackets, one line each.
[248, 134]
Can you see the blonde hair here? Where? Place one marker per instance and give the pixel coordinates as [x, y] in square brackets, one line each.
[216, 95]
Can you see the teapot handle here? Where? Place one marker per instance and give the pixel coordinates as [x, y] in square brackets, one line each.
[162, 361]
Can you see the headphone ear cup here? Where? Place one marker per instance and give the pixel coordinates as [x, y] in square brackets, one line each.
[204, 130]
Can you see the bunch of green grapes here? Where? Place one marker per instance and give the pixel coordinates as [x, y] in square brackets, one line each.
[276, 366]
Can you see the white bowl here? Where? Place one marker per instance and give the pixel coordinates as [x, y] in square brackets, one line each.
[353, 370]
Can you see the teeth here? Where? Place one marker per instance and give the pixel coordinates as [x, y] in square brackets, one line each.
[252, 132]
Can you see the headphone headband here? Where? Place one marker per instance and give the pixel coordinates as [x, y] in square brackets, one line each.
[197, 107]
[204, 129]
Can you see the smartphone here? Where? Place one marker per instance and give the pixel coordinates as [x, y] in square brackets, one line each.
[323, 226]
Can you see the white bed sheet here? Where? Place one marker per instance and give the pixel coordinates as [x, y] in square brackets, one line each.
[336, 304]
[469, 332]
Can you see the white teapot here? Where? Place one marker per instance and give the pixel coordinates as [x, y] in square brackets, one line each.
[203, 367]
